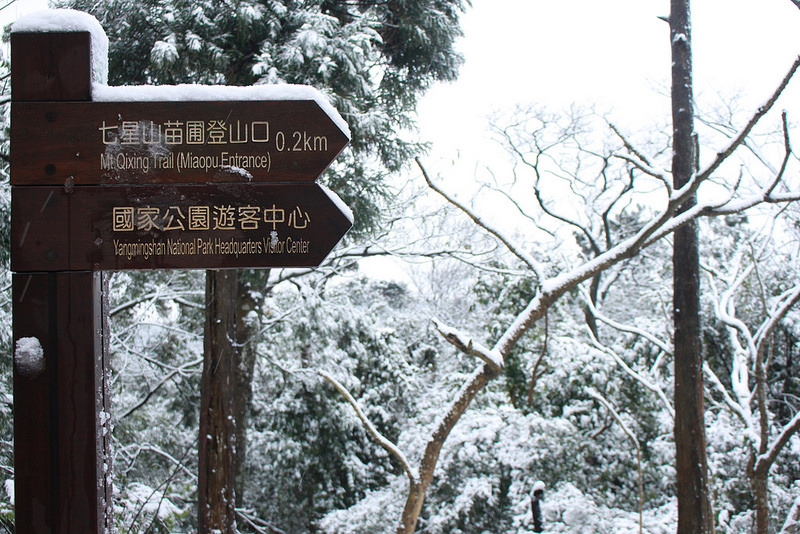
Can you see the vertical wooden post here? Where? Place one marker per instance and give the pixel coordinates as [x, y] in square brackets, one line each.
[60, 404]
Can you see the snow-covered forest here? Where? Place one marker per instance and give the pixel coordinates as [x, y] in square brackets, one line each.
[520, 334]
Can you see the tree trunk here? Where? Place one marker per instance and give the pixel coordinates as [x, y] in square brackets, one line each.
[694, 509]
[217, 440]
[591, 320]
[418, 488]
[234, 299]
[758, 483]
[251, 286]
[412, 508]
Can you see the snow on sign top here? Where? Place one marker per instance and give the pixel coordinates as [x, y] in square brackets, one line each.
[201, 93]
[69, 20]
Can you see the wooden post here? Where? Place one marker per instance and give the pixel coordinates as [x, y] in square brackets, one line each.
[60, 405]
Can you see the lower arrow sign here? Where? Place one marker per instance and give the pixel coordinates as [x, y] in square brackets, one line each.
[197, 226]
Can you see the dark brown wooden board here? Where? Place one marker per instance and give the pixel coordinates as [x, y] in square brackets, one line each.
[185, 226]
[87, 143]
[50, 66]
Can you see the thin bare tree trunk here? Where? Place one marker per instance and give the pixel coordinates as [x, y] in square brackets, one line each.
[759, 484]
[694, 509]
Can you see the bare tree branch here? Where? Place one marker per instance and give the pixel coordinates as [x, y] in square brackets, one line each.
[379, 438]
[630, 329]
[641, 162]
[633, 374]
[765, 461]
[792, 524]
[732, 405]
[160, 384]
[519, 253]
[466, 345]
[739, 139]
[789, 300]
[628, 432]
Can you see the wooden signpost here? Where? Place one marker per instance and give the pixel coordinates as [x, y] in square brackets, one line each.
[108, 185]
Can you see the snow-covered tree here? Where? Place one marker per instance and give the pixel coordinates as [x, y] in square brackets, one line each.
[754, 292]
[636, 180]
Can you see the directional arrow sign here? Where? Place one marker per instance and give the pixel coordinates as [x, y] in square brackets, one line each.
[182, 226]
[85, 143]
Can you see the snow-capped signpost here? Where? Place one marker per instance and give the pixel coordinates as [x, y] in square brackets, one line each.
[109, 178]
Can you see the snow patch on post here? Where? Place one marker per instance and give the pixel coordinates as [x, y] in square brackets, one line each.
[70, 20]
[29, 357]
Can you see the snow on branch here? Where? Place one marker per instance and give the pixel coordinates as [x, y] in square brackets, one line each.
[628, 432]
[632, 373]
[177, 462]
[792, 524]
[164, 380]
[766, 460]
[732, 405]
[613, 412]
[390, 447]
[640, 161]
[465, 344]
[790, 299]
[630, 329]
[256, 523]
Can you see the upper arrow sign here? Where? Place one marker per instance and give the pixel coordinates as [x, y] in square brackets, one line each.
[172, 142]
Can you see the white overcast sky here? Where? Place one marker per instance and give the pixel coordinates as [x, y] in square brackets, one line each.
[612, 54]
